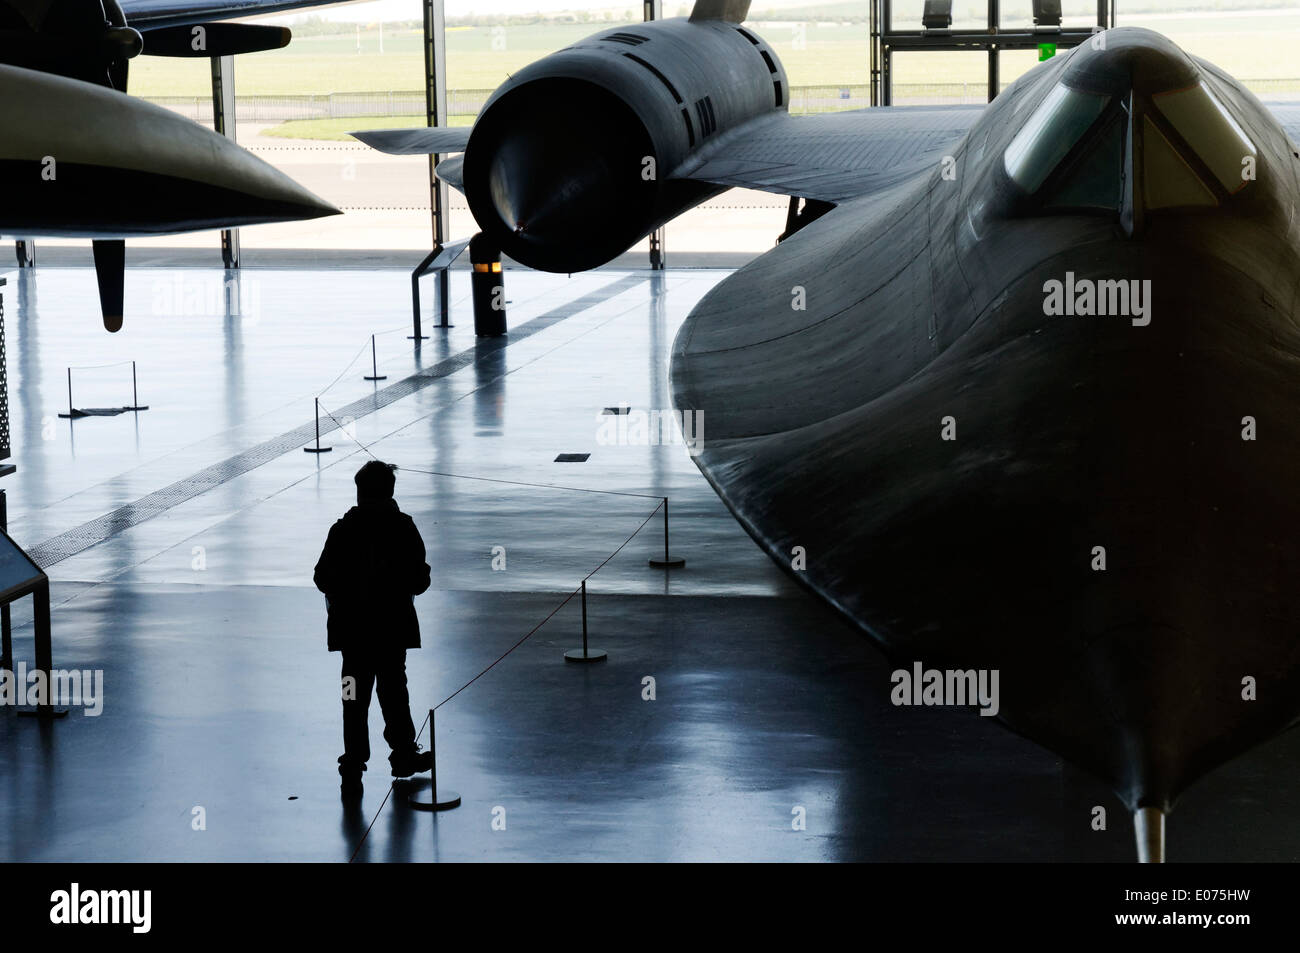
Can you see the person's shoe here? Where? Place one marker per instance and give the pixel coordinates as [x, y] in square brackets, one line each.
[351, 786]
[413, 762]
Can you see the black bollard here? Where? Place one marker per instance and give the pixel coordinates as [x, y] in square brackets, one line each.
[318, 448]
[374, 374]
[668, 562]
[433, 799]
[488, 285]
[135, 394]
[584, 654]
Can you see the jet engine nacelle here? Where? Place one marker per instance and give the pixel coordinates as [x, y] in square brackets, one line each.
[570, 160]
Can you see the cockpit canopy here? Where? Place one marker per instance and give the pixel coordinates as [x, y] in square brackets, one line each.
[1130, 127]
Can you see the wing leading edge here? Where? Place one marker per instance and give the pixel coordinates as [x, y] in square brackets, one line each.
[148, 14]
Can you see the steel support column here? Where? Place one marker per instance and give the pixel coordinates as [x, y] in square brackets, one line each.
[886, 77]
[995, 86]
[874, 31]
[223, 121]
[653, 10]
[435, 109]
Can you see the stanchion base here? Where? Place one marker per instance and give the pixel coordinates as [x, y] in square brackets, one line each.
[78, 413]
[425, 799]
[371, 377]
[317, 449]
[141, 407]
[591, 655]
[41, 711]
[670, 562]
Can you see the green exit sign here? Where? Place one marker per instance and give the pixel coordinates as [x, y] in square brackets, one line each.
[1046, 51]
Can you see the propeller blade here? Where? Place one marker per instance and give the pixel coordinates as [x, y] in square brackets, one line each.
[214, 39]
[110, 272]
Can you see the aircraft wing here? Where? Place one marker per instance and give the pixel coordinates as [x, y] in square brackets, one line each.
[829, 156]
[416, 141]
[832, 156]
[151, 14]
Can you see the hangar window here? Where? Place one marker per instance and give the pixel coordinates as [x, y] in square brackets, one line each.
[1058, 123]
[1213, 134]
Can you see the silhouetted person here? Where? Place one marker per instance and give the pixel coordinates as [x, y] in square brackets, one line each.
[371, 570]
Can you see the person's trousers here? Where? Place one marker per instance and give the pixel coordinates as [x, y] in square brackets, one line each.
[363, 670]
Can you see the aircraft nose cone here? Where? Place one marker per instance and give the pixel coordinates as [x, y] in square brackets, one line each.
[116, 166]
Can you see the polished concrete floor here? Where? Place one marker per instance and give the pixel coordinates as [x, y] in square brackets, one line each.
[181, 539]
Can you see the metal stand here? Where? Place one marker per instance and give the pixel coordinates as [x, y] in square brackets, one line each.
[71, 414]
[223, 123]
[25, 252]
[652, 10]
[374, 375]
[668, 562]
[584, 654]
[318, 448]
[6, 626]
[44, 653]
[434, 799]
[438, 262]
[5, 448]
[435, 114]
[135, 395]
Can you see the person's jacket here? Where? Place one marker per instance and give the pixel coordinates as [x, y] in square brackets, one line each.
[371, 569]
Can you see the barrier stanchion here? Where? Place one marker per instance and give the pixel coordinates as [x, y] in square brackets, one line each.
[71, 414]
[318, 448]
[135, 396]
[668, 562]
[433, 799]
[584, 654]
[374, 374]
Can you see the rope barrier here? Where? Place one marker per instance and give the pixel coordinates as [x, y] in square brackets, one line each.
[369, 342]
[94, 367]
[345, 370]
